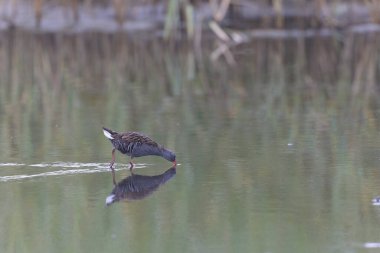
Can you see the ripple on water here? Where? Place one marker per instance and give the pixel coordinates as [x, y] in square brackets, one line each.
[372, 245]
[66, 169]
[11, 164]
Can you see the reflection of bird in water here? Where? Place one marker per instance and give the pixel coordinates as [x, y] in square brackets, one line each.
[138, 186]
[135, 144]
[376, 201]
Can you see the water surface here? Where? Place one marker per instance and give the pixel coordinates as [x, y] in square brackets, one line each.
[279, 153]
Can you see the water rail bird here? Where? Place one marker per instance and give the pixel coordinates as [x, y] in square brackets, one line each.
[135, 144]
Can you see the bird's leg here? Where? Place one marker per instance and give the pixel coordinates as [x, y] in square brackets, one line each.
[113, 160]
[113, 177]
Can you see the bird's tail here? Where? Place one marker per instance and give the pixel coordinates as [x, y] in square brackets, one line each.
[109, 133]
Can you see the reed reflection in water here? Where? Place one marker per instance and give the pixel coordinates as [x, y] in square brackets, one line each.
[138, 186]
[279, 153]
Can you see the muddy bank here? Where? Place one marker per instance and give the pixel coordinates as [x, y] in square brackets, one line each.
[258, 20]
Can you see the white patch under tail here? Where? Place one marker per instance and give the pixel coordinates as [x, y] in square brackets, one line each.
[108, 134]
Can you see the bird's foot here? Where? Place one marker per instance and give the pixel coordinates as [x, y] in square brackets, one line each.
[131, 165]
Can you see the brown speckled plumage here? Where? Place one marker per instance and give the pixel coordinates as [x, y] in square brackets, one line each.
[134, 137]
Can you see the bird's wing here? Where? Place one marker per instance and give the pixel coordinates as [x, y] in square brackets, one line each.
[138, 138]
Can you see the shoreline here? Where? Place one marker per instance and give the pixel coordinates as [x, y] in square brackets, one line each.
[151, 20]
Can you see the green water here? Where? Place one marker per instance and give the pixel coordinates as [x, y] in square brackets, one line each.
[279, 153]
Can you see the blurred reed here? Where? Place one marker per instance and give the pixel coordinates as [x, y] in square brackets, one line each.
[46, 75]
[374, 8]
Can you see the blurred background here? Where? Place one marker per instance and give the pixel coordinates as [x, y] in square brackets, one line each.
[272, 108]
